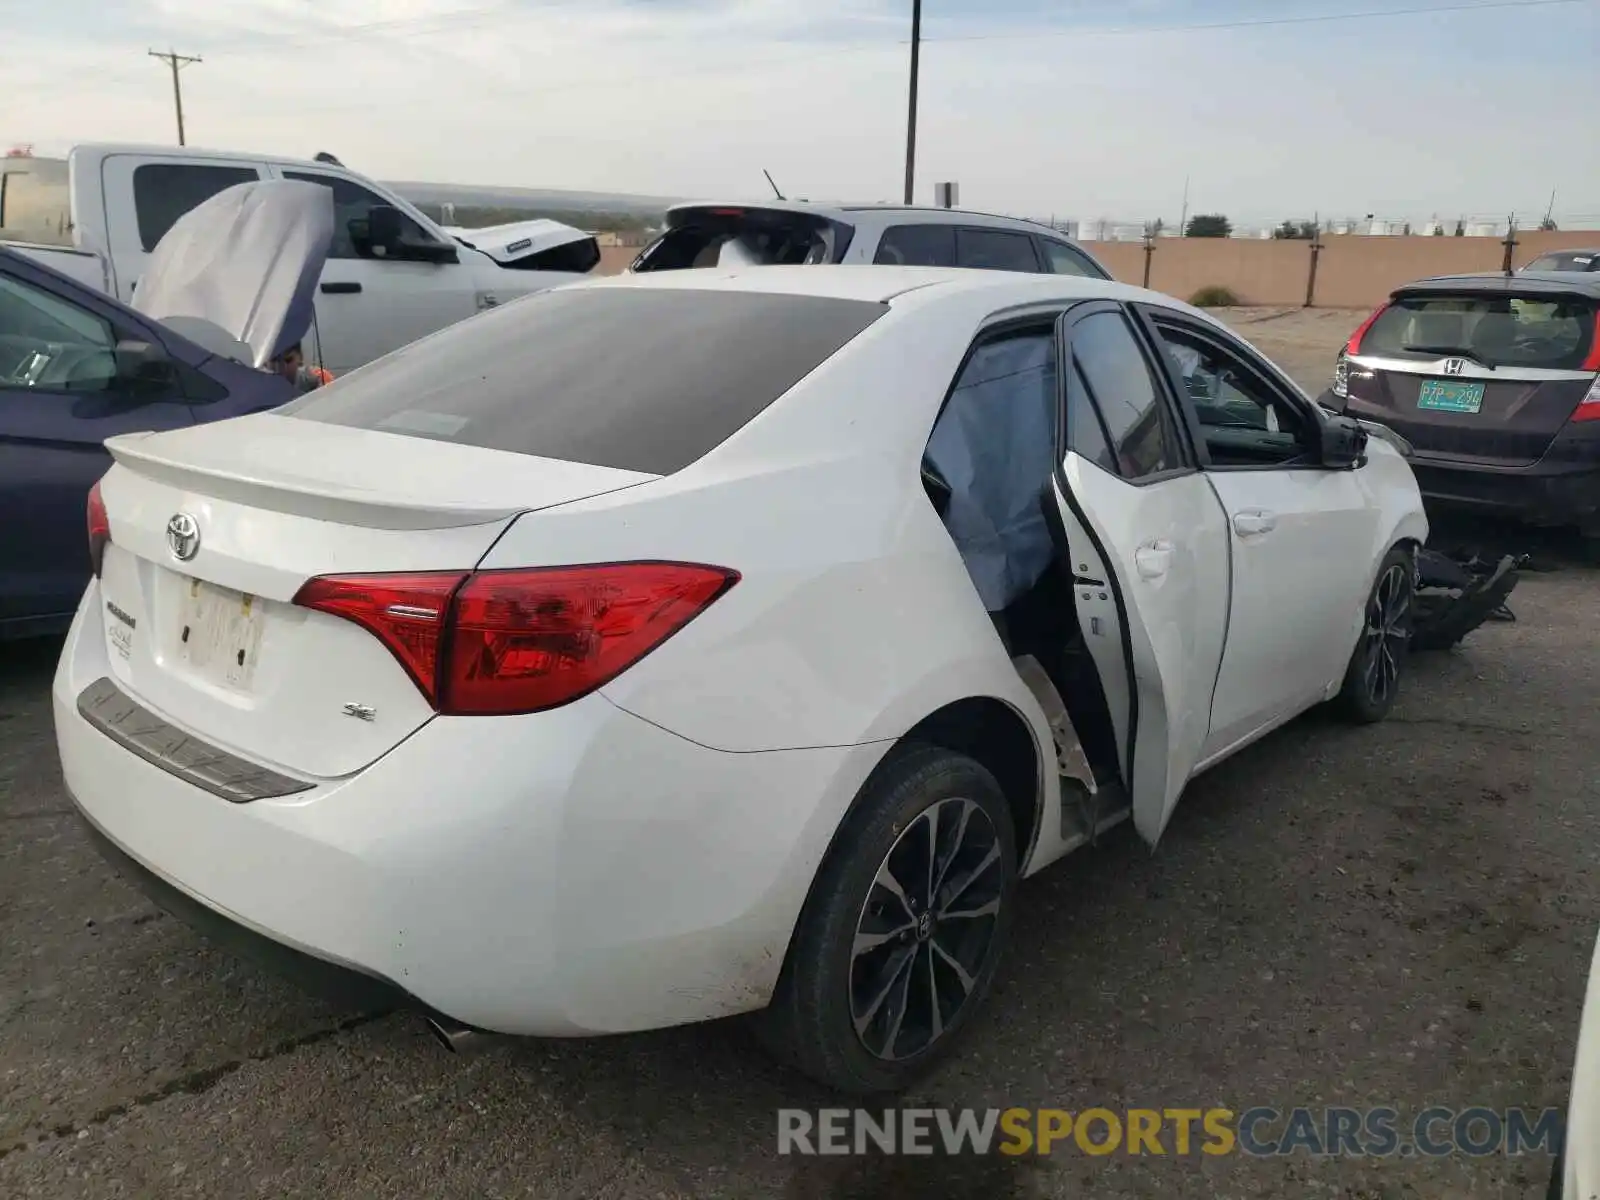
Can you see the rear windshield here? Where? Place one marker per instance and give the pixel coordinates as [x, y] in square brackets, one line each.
[1497, 331]
[724, 237]
[1569, 260]
[642, 379]
[35, 201]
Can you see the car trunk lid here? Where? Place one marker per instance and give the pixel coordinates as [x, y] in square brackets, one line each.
[1477, 376]
[214, 531]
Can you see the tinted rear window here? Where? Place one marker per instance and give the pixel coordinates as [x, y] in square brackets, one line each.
[734, 237]
[640, 379]
[1501, 331]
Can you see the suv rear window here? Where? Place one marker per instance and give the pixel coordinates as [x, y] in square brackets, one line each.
[643, 379]
[1553, 332]
[721, 237]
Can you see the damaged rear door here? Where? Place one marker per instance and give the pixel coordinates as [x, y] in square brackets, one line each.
[1149, 555]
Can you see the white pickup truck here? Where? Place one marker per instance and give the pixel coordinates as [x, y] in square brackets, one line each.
[393, 275]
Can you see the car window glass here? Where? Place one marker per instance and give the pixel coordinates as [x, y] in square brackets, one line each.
[36, 200]
[993, 449]
[1243, 419]
[1086, 437]
[163, 192]
[352, 202]
[1493, 329]
[1064, 260]
[917, 246]
[995, 250]
[1125, 391]
[643, 379]
[51, 344]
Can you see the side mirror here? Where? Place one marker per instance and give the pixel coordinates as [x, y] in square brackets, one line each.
[383, 230]
[142, 362]
[383, 227]
[1344, 443]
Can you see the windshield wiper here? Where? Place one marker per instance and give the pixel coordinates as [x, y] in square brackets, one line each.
[1451, 352]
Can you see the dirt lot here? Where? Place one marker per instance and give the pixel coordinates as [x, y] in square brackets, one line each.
[1399, 915]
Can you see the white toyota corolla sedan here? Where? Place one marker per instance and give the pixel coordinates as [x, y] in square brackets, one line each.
[668, 647]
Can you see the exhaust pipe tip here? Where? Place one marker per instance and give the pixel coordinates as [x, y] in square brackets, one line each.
[454, 1037]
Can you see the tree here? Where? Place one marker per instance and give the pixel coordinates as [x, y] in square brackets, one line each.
[1407, 231]
[1299, 231]
[1212, 225]
[1438, 229]
[1461, 228]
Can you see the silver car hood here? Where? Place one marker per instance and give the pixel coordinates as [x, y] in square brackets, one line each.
[238, 273]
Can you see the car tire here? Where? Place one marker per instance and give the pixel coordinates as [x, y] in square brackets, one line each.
[907, 979]
[1372, 680]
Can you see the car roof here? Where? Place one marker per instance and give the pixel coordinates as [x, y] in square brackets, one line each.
[199, 154]
[885, 284]
[846, 212]
[1553, 283]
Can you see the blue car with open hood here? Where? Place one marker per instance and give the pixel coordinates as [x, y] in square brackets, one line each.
[227, 290]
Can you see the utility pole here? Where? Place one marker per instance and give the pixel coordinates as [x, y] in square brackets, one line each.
[911, 114]
[177, 62]
[1183, 221]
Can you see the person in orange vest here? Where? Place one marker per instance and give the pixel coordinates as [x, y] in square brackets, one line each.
[291, 364]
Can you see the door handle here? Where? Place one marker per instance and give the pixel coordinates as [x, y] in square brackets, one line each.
[1153, 558]
[341, 288]
[1254, 521]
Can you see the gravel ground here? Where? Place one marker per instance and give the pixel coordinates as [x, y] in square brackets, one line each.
[1399, 915]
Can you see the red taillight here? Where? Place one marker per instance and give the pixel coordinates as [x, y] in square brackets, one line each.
[519, 641]
[1589, 407]
[1353, 346]
[406, 612]
[99, 529]
[1592, 362]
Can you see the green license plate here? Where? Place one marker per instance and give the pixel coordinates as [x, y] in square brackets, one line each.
[1445, 395]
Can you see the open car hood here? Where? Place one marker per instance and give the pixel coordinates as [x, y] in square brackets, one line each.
[237, 273]
[517, 240]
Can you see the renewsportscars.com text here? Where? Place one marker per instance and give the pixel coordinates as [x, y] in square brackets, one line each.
[1258, 1132]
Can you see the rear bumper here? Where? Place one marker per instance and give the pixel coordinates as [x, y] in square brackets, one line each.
[574, 872]
[1539, 493]
[339, 983]
[1561, 488]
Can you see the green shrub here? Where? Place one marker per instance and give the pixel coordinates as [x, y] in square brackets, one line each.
[1214, 297]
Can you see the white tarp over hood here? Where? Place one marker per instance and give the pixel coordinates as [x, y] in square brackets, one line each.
[518, 239]
[242, 267]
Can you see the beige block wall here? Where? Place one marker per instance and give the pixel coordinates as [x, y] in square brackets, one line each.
[1352, 271]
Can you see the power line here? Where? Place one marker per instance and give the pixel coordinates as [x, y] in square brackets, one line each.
[1252, 22]
[177, 62]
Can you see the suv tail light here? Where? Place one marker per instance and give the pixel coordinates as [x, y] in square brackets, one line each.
[1353, 346]
[1589, 407]
[99, 529]
[519, 641]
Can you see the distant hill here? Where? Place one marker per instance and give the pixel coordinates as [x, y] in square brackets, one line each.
[538, 201]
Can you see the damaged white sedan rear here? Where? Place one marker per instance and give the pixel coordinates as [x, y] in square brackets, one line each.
[668, 647]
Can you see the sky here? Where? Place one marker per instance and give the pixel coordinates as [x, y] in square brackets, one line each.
[1071, 108]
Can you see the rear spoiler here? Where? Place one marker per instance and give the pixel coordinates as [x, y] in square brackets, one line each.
[325, 499]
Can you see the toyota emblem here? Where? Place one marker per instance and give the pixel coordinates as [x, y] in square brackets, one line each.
[183, 536]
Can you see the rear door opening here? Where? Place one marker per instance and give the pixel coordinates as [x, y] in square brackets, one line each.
[1480, 375]
[724, 235]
